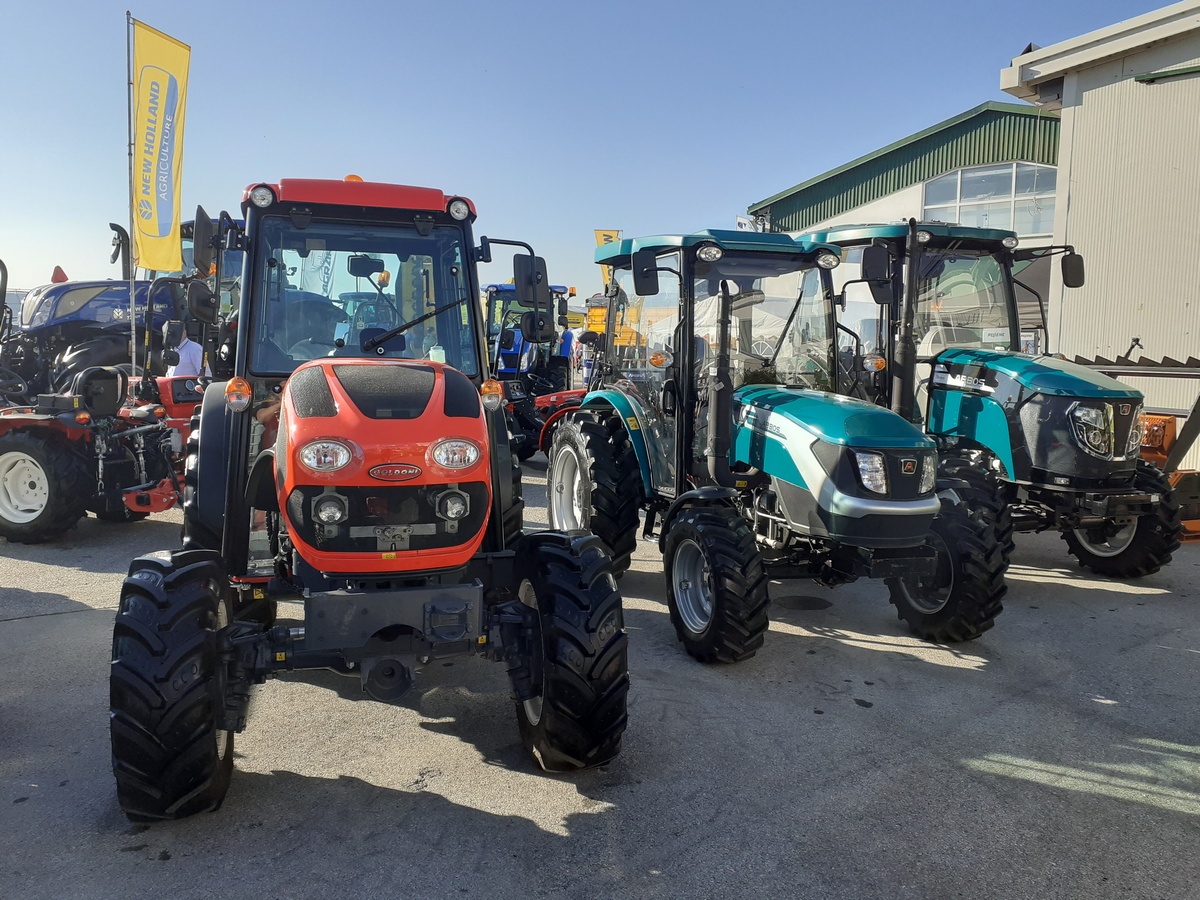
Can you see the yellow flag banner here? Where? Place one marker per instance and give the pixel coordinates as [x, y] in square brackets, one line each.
[606, 236]
[159, 84]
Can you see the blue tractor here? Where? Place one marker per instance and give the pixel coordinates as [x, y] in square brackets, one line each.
[65, 328]
[713, 409]
[543, 368]
[1038, 442]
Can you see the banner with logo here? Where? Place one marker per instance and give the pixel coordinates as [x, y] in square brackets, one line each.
[159, 92]
[606, 236]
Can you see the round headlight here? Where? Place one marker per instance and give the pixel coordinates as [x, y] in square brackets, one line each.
[262, 196]
[827, 260]
[325, 456]
[710, 252]
[455, 453]
[330, 510]
[924, 237]
[1010, 243]
[459, 209]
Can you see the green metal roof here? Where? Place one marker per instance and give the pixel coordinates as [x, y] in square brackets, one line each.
[992, 132]
[621, 251]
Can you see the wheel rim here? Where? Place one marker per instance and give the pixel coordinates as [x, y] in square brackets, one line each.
[533, 706]
[1110, 544]
[690, 581]
[569, 510]
[224, 747]
[24, 487]
[929, 595]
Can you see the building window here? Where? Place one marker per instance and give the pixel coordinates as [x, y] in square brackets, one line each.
[1011, 196]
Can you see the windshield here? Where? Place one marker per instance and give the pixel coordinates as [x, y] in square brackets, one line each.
[963, 300]
[327, 289]
[781, 324]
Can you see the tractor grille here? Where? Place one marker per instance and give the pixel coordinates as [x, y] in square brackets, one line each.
[377, 517]
[387, 391]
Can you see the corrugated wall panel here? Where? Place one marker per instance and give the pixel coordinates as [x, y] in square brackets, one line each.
[990, 137]
[1134, 213]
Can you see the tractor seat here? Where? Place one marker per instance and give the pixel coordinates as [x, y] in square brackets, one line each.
[101, 390]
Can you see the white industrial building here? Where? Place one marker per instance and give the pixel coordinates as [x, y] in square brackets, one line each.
[1128, 190]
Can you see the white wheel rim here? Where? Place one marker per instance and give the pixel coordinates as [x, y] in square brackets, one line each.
[691, 579]
[24, 488]
[1113, 544]
[568, 511]
[533, 706]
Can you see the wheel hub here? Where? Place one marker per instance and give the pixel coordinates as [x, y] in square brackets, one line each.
[24, 488]
[690, 573]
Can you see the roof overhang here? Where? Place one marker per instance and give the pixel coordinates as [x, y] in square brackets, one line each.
[1037, 76]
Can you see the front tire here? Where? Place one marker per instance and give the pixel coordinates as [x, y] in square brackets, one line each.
[982, 491]
[581, 650]
[44, 486]
[716, 585]
[962, 598]
[593, 483]
[169, 757]
[1139, 548]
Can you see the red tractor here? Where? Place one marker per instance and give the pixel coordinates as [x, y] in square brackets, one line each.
[353, 455]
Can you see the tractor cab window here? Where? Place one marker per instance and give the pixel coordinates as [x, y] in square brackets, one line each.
[780, 331]
[963, 300]
[330, 288]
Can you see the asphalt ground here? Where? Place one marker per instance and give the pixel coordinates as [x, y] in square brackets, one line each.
[1056, 757]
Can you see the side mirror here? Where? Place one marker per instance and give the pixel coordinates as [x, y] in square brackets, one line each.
[588, 338]
[876, 272]
[364, 266]
[562, 306]
[536, 328]
[531, 281]
[202, 242]
[172, 334]
[507, 339]
[1072, 270]
[645, 273]
[562, 321]
[202, 303]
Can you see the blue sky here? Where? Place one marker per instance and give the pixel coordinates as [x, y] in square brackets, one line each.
[554, 118]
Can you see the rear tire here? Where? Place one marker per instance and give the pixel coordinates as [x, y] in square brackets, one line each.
[1140, 548]
[44, 487]
[168, 755]
[716, 585]
[578, 719]
[593, 483]
[961, 600]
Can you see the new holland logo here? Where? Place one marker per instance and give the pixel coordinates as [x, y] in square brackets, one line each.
[908, 466]
[395, 472]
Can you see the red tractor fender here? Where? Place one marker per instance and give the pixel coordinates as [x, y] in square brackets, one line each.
[23, 418]
[547, 435]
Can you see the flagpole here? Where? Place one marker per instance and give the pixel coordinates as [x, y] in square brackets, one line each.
[129, 250]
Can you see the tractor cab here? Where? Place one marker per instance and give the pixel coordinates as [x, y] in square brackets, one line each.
[543, 366]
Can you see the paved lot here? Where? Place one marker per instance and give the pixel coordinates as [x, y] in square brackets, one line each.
[1058, 756]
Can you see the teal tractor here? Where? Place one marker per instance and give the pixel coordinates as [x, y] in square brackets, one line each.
[712, 409]
[1043, 443]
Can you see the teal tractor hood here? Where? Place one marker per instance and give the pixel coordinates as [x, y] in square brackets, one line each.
[827, 417]
[1043, 374]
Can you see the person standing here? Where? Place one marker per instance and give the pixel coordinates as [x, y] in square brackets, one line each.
[191, 359]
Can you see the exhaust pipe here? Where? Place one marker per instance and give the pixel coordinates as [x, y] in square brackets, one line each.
[387, 680]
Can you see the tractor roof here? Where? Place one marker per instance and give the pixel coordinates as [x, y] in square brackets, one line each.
[357, 193]
[864, 234]
[621, 251]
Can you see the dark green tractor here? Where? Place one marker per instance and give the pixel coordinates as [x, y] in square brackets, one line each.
[1042, 443]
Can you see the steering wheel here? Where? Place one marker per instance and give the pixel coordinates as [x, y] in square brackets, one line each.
[12, 384]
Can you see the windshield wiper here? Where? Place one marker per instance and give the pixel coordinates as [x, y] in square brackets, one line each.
[372, 343]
